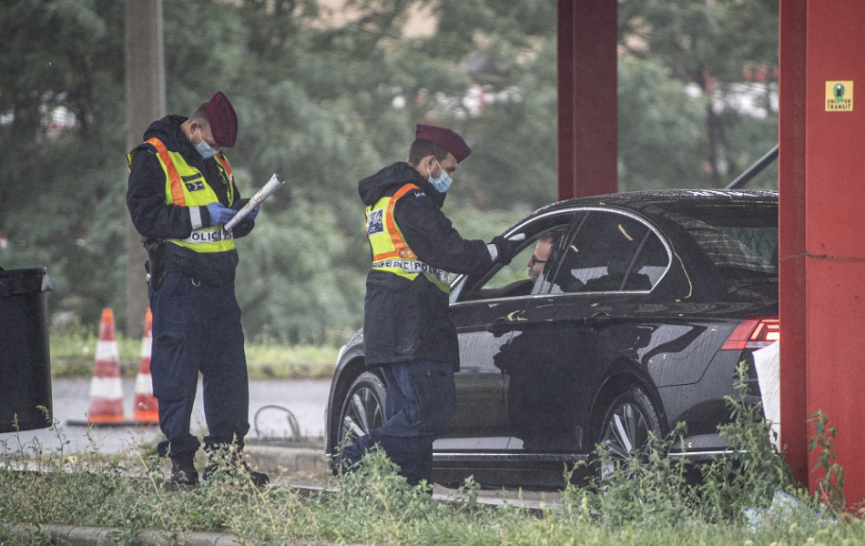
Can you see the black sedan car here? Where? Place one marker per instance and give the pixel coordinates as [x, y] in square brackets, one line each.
[636, 320]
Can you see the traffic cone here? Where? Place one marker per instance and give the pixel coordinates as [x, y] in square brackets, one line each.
[106, 389]
[145, 408]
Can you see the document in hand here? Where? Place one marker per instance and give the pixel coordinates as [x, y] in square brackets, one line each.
[272, 185]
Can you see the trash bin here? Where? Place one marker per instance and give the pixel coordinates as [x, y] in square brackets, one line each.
[25, 366]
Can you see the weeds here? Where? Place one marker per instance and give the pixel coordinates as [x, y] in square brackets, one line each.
[655, 492]
[830, 486]
[747, 497]
[752, 471]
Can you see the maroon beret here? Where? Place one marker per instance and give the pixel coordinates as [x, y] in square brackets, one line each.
[222, 120]
[447, 139]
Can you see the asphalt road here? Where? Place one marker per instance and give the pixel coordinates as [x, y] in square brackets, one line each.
[305, 399]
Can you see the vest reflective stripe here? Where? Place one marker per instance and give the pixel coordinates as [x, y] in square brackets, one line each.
[202, 236]
[186, 187]
[412, 266]
[226, 168]
[174, 179]
[390, 252]
[400, 248]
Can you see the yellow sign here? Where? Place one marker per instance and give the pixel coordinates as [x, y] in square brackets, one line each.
[839, 96]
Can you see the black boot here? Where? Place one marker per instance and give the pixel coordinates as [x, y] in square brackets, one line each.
[234, 467]
[183, 470]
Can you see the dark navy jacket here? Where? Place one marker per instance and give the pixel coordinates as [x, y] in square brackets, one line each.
[145, 199]
[406, 319]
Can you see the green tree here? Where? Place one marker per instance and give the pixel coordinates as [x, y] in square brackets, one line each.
[60, 105]
[709, 45]
[326, 105]
[342, 103]
[661, 130]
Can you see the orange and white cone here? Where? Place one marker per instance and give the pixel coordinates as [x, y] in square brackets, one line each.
[145, 408]
[106, 389]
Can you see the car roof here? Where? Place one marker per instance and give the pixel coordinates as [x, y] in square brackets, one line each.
[639, 200]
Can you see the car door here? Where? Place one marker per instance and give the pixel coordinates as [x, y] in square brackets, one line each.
[484, 310]
[556, 358]
[479, 421]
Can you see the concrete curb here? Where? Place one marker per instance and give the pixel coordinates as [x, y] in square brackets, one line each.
[102, 536]
[279, 460]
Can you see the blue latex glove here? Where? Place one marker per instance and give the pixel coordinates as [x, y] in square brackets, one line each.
[239, 204]
[219, 213]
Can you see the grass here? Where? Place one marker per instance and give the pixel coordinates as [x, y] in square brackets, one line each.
[73, 352]
[747, 498]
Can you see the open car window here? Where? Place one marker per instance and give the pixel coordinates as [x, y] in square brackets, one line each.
[513, 279]
[508, 281]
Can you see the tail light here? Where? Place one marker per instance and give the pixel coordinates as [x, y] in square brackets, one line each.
[753, 334]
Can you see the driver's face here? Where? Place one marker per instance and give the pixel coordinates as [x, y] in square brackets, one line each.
[539, 258]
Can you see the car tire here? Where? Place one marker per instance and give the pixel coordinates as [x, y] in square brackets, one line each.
[362, 409]
[628, 429]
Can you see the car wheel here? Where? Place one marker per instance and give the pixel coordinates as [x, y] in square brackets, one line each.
[362, 409]
[627, 429]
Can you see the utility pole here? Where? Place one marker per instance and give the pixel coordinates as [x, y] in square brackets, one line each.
[145, 102]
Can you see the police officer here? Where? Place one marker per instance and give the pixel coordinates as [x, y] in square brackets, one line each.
[406, 326]
[180, 194]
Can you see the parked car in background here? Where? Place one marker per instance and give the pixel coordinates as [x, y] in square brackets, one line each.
[644, 309]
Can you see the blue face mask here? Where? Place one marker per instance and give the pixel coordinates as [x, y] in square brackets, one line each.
[205, 149]
[443, 182]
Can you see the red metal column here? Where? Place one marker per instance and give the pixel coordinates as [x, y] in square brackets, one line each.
[823, 230]
[835, 231]
[587, 101]
[792, 225]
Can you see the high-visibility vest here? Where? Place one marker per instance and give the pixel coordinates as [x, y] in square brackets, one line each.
[390, 252]
[185, 186]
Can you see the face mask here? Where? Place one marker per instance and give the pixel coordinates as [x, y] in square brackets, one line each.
[204, 148]
[443, 182]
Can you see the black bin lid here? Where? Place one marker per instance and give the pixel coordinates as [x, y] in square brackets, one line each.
[14, 282]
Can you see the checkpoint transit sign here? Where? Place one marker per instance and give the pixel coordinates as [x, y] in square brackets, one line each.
[839, 96]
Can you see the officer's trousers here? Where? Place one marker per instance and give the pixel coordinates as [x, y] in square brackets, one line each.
[421, 400]
[196, 328]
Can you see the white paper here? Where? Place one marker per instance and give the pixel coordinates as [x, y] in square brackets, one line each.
[272, 185]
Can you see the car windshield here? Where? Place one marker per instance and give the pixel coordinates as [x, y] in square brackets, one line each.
[742, 241]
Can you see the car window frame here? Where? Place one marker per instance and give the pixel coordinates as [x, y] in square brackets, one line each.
[545, 286]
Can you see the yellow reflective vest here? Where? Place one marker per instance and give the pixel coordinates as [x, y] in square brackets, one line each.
[390, 252]
[185, 186]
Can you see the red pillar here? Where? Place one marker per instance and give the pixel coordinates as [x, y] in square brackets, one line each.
[792, 225]
[587, 100]
[823, 278]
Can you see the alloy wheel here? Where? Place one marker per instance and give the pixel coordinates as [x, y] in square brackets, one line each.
[363, 409]
[628, 429]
